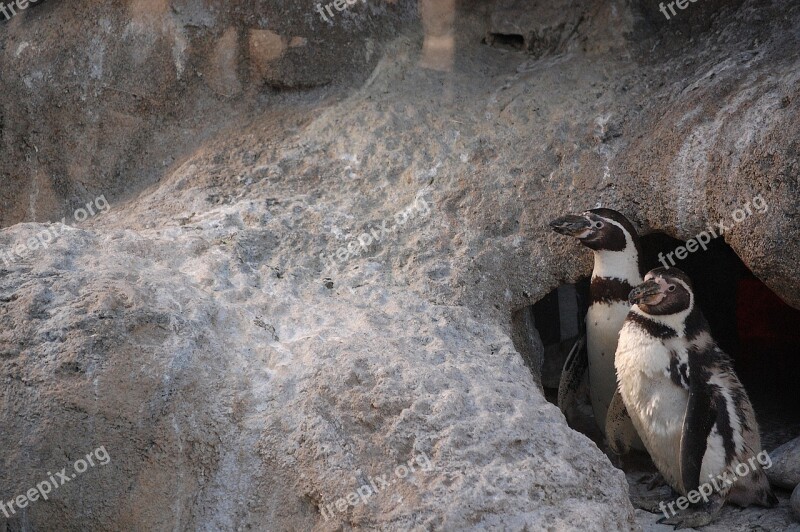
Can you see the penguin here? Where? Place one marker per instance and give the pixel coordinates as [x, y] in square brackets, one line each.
[617, 270]
[686, 402]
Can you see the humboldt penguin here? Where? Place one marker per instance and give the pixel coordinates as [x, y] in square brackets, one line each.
[686, 402]
[617, 269]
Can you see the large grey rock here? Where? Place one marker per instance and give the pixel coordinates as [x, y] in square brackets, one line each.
[796, 503]
[246, 394]
[785, 470]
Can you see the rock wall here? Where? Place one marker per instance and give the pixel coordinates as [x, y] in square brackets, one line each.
[105, 97]
[245, 360]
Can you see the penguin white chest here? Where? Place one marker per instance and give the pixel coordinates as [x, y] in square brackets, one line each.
[655, 403]
[603, 322]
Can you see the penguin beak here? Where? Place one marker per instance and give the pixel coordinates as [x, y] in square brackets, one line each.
[571, 225]
[644, 293]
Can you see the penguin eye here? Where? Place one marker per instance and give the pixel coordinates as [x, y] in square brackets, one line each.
[671, 288]
[598, 225]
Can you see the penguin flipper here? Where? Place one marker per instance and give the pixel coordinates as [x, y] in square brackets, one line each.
[575, 369]
[698, 420]
[619, 428]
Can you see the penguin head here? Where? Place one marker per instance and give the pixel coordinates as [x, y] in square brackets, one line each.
[597, 229]
[665, 291]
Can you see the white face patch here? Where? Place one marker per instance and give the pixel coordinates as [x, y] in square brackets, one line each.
[622, 265]
[664, 285]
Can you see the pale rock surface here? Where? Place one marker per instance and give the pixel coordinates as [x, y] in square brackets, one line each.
[785, 470]
[239, 379]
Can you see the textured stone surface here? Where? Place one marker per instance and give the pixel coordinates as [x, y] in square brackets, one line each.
[239, 374]
[107, 97]
[552, 27]
[796, 503]
[785, 470]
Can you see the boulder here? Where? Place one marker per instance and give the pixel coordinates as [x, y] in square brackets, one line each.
[785, 470]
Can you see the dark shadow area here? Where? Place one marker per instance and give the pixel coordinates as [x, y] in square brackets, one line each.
[559, 318]
[506, 40]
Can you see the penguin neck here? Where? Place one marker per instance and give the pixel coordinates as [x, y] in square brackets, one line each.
[622, 265]
[675, 322]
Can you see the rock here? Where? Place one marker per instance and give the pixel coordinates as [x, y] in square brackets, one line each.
[246, 406]
[785, 470]
[795, 502]
[138, 82]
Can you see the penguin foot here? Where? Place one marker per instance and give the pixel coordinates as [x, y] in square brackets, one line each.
[652, 503]
[689, 519]
[654, 481]
[615, 459]
[695, 516]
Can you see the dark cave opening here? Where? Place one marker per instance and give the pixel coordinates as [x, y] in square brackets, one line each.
[748, 321]
[505, 40]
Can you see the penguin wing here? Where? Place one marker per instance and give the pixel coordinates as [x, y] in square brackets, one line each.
[699, 418]
[575, 368]
[620, 431]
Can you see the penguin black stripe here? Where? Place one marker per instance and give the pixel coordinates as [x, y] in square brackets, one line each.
[713, 357]
[678, 371]
[607, 290]
[653, 328]
[724, 425]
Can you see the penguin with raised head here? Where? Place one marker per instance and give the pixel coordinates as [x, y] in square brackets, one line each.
[617, 269]
[686, 402]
